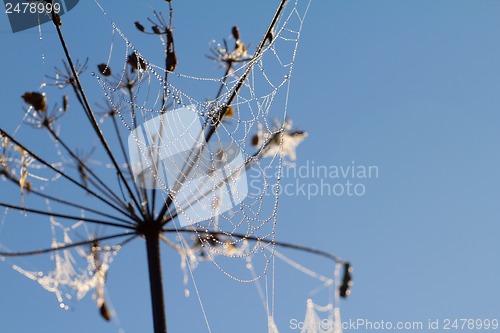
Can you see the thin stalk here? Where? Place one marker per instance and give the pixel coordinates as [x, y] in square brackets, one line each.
[144, 209]
[75, 157]
[67, 246]
[263, 240]
[224, 80]
[90, 113]
[125, 156]
[65, 216]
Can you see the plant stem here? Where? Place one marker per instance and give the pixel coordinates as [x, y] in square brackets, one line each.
[155, 279]
[258, 239]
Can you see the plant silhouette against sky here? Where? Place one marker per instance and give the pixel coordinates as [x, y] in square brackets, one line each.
[125, 204]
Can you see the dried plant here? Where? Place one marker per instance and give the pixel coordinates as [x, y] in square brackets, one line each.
[134, 204]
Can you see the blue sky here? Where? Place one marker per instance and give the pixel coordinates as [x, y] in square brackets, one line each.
[411, 87]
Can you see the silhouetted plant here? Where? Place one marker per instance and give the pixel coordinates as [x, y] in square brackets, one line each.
[128, 203]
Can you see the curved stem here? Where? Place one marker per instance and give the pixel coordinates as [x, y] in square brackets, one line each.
[65, 202]
[65, 216]
[67, 246]
[263, 240]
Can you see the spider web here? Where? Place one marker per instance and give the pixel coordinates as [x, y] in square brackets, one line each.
[259, 115]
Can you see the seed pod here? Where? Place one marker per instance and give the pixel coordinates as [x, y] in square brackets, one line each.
[103, 309]
[104, 69]
[65, 103]
[136, 63]
[255, 140]
[228, 111]
[139, 26]
[36, 100]
[171, 61]
[345, 287]
[235, 32]
[156, 29]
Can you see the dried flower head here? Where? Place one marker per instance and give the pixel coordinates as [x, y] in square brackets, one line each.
[282, 139]
[221, 52]
[65, 77]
